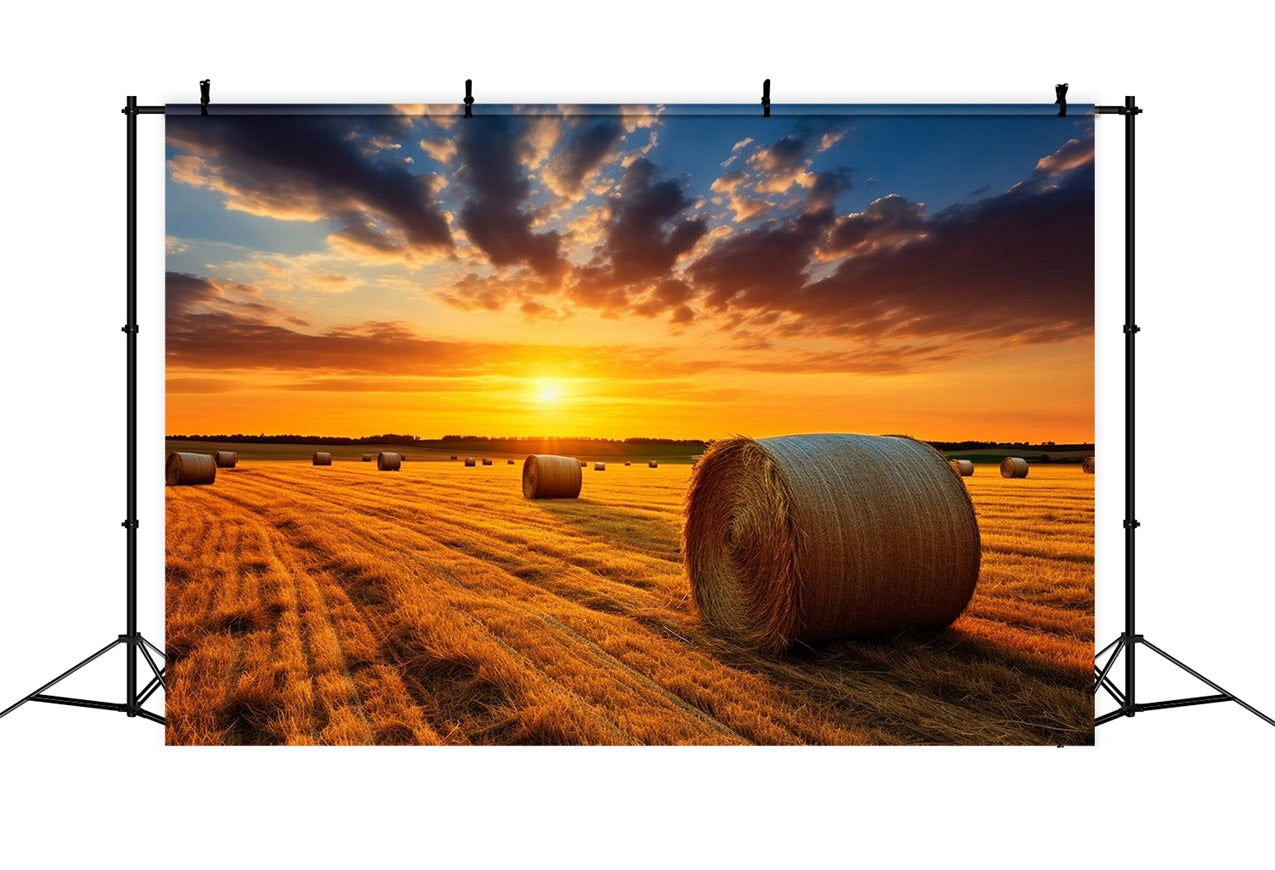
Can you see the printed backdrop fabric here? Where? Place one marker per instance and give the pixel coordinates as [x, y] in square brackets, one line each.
[630, 425]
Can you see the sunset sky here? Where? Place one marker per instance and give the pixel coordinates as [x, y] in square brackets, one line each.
[629, 271]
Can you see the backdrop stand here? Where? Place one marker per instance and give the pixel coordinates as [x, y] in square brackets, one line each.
[135, 645]
[1129, 640]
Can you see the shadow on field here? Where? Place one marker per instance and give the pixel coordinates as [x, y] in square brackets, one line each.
[617, 525]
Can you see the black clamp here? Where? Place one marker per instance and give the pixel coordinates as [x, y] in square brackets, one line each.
[204, 86]
[765, 98]
[1060, 99]
[129, 524]
[469, 98]
[1131, 524]
[131, 329]
[1129, 330]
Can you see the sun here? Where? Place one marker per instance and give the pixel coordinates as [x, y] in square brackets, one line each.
[548, 391]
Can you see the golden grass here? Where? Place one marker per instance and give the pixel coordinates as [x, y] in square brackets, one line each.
[440, 606]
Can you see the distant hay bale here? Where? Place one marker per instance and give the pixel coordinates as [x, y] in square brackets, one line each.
[584, 464]
[652, 464]
[509, 462]
[599, 466]
[225, 458]
[963, 467]
[486, 461]
[627, 464]
[189, 469]
[1087, 465]
[321, 458]
[809, 538]
[469, 462]
[452, 457]
[1013, 466]
[402, 457]
[545, 476]
[387, 461]
[367, 457]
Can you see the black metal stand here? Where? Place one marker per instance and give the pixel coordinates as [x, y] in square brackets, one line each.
[1129, 641]
[135, 645]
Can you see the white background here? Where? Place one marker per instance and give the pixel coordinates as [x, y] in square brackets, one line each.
[1187, 785]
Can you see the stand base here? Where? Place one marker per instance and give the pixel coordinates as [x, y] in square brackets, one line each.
[1102, 680]
[132, 706]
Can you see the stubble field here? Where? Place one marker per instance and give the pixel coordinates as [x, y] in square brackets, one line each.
[341, 605]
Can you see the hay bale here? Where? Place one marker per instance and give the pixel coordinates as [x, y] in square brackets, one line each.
[627, 464]
[486, 461]
[1087, 465]
[452, 457]
[809, 538]
[599, 466]
[545, 476]
[1013, 466]
[652, 464]
[189, 469]
[584, 464]
[469, 462]
[509, 462]
[387, 461]
[962, 467]
[321, 457]
[367, 457]
[225, 458]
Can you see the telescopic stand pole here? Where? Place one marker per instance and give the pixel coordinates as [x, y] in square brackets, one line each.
[135, 645]
[1129, 641]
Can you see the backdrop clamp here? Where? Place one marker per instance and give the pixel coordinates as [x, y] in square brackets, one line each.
[765, 98]
[469, 98]
[204, 86]
[1060, 99]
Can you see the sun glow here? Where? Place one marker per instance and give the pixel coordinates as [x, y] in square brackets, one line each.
[549, 391]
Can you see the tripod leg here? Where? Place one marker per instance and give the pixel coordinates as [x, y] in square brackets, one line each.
[159, 675]
[1102, 675]
[60, 677]
[1203, 679]
[1099, 653]
[159, 652]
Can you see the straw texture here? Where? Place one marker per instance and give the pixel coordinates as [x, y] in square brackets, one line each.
[321, 458]
[1012, 466]
[809, 538]
[225, 458]
[1087, 465]
[599, 466]
[963, 467]
[386, 461]
[188, 469]
[469, 462]
[546, 476]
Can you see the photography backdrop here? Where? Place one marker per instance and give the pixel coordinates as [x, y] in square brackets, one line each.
[624, 285]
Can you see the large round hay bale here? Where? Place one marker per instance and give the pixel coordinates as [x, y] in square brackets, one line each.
[1087, 465]
[652, 464]
[321, 458]
[545, 476]
[1013, 466]
[367, 457]
[809, 538]
[599, 466]
[486, 461]
[225, 458]
[386, 461]
[963, 467]
[469, 462]
[189, 469]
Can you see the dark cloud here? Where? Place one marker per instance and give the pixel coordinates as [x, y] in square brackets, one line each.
[311, 168]
[889, 221]
[577, 160]
[649, 228]
[750, 268]
[495, 215]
